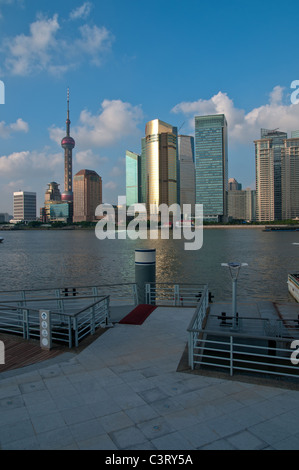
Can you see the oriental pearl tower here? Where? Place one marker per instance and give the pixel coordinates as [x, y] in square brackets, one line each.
[68, 144]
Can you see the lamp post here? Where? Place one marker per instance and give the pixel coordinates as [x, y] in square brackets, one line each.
[234, 269]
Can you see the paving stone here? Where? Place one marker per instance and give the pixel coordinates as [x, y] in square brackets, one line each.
[173, 441]
[128, 437]
[115, 421]
[245, 440]
[47, 422]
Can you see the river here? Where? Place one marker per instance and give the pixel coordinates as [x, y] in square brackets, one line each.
[59, 258]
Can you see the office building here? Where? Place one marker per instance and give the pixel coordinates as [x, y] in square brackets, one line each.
[24, 206]
[241, 204]
[52, 196]
[160, 154]
[5, 217]
[133, 178]
[87, 195]
[233, 185]
[211, 166]
[268, 174]
[186, 172]
[59, 212]
[290, 177]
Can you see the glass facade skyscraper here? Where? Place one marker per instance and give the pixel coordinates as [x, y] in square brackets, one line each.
[268, 174]
[133, 178]
[161, 164]
[290, 177]
[186, 171]
[211, 165]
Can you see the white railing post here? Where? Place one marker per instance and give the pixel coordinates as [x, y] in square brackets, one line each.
[191, 350]
[135, 294]
[176, 295]
[148, 294]
[25, 324]
[92, 321]
[231, 356]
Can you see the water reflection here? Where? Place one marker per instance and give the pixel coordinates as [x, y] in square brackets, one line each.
[39, 259]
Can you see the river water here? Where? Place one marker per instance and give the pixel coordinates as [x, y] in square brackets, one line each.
[58, 258]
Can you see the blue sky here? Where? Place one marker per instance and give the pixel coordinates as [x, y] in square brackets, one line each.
[127, 63]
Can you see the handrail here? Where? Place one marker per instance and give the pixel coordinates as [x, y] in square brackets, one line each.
[194, 317]
[65, 287]
[239, 335]
[41, 299]
[90, 305]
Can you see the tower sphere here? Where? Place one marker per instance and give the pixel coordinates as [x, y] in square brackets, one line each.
[68, 143]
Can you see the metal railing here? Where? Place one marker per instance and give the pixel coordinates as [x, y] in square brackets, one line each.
[245, 354]
[67, 328]
[246, 345]
[197, 323]
[124, 294]
[178, 295]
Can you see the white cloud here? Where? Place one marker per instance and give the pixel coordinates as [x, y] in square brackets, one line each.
[30, 163]
[81, 12]
[245, 127]
[7, 129]
[116, 120]
[87, 158]
[32, 53]
[46, 48]
[93, 42]
[111, 185]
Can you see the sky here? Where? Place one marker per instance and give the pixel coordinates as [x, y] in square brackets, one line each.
[126, 63]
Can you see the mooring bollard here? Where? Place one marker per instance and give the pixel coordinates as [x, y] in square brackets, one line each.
[145, 271]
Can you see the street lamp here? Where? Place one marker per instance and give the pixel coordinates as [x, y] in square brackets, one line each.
[234, 269]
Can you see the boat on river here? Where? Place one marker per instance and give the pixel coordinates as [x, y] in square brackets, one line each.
[293, 285]
[1, 239]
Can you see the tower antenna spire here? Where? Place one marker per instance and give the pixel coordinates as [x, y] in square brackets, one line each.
[68, 122]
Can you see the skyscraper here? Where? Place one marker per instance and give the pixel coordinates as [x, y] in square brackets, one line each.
[211, 165]
[24, 206]
[290, 177]
[133, 178]
[87, 195]
[160, 153]
[52, 196]
[233, 185]
[240, 203]
[186, 172]
[68, 144]
[268, 174]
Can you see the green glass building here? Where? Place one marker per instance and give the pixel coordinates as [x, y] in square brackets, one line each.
[211, 166]
[133, 178]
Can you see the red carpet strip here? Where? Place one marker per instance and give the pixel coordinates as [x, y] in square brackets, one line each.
[138, 315]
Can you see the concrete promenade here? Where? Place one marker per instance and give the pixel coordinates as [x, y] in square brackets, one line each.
[124, 392]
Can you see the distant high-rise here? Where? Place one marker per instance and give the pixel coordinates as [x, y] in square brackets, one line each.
[68, 144]
[52, 196]
[24, 206]
[211, 165]
[268, 174]
[233, 185]
[160, 153]
[290, 177]
[241, 204]
[133, 178]
[186, 172]
[87, 195]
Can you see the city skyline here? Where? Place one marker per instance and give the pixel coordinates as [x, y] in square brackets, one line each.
[109, 56]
